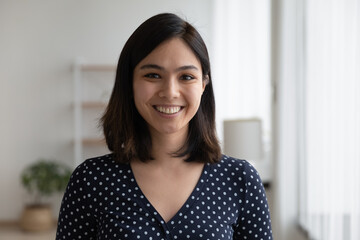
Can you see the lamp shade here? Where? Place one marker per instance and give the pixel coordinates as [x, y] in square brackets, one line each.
[243, 139]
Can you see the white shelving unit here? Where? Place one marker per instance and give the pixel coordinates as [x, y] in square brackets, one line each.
[92, 88]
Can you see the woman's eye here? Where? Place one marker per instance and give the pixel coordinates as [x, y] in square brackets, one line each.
[152, 75]
[186, 77]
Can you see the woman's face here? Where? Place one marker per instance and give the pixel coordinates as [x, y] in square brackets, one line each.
[168, 84]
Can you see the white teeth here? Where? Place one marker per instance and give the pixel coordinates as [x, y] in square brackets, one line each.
[168, 110]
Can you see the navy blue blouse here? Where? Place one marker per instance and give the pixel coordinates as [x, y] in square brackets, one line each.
[103, 201]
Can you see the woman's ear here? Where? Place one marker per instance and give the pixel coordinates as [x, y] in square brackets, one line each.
[205, 81]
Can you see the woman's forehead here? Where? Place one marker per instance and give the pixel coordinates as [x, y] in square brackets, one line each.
[171, 54]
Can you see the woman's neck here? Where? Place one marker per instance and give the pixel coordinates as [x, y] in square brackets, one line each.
[164, 145]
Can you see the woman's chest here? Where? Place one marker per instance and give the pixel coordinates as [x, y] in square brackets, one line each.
[168, 191]
[135, 219]
[125, 213]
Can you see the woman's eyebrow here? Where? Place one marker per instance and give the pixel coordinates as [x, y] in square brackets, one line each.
[146, 66]
[182, 68]
[187, 67]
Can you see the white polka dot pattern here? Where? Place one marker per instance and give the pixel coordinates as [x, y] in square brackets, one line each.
[103, 201]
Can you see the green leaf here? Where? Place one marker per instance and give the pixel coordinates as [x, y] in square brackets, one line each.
[45, 177]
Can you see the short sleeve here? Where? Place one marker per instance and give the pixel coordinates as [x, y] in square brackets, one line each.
[254, 221]
[76, 217]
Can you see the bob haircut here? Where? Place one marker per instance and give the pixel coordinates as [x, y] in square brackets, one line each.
[126, 132]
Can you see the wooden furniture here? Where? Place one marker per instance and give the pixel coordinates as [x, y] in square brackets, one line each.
[92, 88]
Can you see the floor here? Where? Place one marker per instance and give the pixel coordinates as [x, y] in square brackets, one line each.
[13, 232]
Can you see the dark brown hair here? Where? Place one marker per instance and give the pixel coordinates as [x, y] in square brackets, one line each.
[126, 132]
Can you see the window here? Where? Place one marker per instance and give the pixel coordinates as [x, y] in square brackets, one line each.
[330, 140]
[241, 67]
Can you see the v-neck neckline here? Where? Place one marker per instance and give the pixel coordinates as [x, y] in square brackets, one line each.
[186, 205]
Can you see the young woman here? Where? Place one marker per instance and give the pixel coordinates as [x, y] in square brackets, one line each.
[166, 177]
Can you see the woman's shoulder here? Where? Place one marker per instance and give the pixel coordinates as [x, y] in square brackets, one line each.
[101, 165]
[232, 167]
[231, 163]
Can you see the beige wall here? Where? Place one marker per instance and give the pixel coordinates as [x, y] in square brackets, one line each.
[39, 42]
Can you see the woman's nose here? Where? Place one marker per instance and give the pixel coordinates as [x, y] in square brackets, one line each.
[170, 88]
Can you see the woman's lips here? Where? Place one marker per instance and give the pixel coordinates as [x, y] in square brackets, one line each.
[169, 110]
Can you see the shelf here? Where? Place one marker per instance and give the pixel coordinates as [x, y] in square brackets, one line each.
[92, 83]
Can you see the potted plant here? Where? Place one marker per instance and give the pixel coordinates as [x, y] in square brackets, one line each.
[42, 179]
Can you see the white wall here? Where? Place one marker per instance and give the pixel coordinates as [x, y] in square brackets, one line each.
[39, 41]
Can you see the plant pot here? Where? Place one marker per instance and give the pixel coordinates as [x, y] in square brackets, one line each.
[36, 218]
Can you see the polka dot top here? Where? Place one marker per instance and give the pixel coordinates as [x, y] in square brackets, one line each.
[103, 201]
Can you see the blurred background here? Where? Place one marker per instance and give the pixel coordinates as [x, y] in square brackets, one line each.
[286, 75]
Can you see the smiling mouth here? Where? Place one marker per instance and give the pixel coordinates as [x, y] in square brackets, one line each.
[168, 110]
